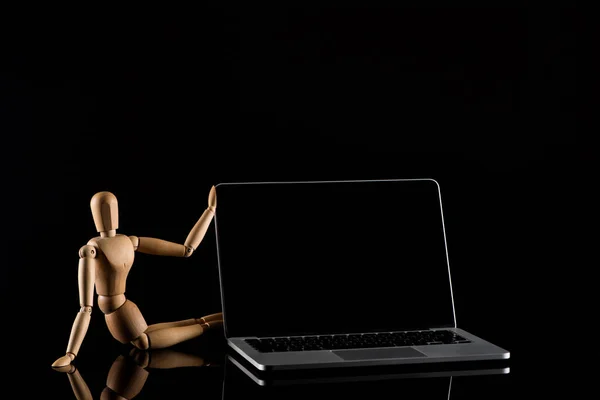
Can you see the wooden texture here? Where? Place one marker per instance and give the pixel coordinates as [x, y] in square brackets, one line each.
[109, 304]
[135, 241]
[167, 359]
[115, 258]
[105, 211]
[80, 388]
[212, 198]
[142, 342]
[211, 317]
[126, 378]
[78, 331]
[87, 276]
[62, 364]
[160, 247]
[162, 338]
[108, 394]
[213, 324]
[199, 230]
[127, 323]
[175, 324]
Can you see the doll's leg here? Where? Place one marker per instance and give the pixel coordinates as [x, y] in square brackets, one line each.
[174, 324]
[186, 322]
[167, 337]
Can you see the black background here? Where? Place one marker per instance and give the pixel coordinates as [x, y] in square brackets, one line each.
[158, 106]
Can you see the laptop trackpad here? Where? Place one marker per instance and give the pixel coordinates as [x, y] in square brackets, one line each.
[374, 354]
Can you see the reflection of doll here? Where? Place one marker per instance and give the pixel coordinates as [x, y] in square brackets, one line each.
[128, 375]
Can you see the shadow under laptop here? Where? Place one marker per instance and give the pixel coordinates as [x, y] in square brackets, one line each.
[432, 381]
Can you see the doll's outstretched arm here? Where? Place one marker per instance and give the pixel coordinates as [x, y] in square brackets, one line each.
[165, 248]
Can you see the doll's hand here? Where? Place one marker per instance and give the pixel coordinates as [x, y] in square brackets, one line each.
[212, 199]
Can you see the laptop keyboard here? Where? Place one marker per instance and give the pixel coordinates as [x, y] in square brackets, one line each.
[356, 341]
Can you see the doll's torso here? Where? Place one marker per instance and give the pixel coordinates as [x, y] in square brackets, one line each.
[114, 260]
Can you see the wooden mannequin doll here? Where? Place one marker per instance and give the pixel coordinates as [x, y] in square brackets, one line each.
[104, 264]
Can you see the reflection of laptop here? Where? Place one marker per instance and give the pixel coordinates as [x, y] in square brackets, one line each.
[338, 274]
[360, 374]
[240, 383]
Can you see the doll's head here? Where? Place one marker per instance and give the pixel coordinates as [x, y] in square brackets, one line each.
[105, 210]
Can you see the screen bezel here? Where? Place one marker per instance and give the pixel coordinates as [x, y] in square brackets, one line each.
[220, 269]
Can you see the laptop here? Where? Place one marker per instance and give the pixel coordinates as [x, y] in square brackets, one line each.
[328, 274]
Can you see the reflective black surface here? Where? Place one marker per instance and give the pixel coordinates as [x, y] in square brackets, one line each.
[205, 369]
[423, 380]
[352, 256]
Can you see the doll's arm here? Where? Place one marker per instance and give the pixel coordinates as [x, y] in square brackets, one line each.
[165, 248]
[86, 278]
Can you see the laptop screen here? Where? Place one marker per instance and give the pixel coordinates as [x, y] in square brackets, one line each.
[299, 258]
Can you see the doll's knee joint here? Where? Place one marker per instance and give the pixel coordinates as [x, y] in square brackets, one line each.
[142, 342]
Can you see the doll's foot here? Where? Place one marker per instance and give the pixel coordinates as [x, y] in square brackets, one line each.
[210, 318]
